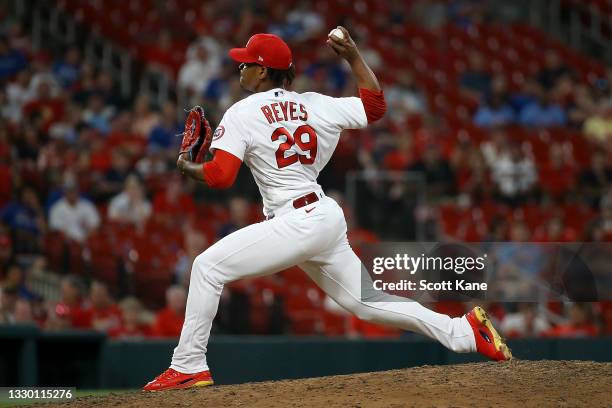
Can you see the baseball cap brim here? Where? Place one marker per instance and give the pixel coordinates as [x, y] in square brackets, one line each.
[241, 55]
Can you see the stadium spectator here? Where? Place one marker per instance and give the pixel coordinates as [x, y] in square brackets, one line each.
[239, 211]
[580, 323]
[403, 98]
[16, 94]
[26, 219]
[602, 225]
[209, 42]
[85, 85]
[197, 71]
[498, 231]
[131, 205]
[195, 243]
[8, 299]
[476, 80]
[557, 175]
[327, 72]
[24, 313]
[529, 91]
[169, 320]
[113, 180]
[471, 171]
[44, 105]
[16, 278]
[153, 163]
[11, 60]
[97, 115]
[69, 127]
[583, 104]
[28, 148]
[218, 92]
[74, 216]
[514, 175]
[69, 312]
[431, 14]
[145, 119]
[438, 173]
[173, 202]
[6, 250]
[517, 265]
[304, 22]
[165, 134]
[598, 127]
[104, 85]
[68, 69]
[134, 323]
[496, 148]
[595, 179]
[543, 113]
[103, 313]
[554, 68]
[527, 321]
[494, 112]
[165, 52]
[555, 230]
[402, 155]
[122, 139]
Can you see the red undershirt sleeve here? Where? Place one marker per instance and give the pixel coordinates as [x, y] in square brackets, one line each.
[222, 170]
[373, 103]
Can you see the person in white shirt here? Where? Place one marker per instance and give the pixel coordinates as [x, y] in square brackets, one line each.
[131, 205]
[73, 215]
[515, 175]
[197, 71]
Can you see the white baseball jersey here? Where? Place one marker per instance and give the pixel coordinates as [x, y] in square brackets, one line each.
[286, 139]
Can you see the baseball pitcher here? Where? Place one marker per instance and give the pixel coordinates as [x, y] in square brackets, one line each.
[286, 139]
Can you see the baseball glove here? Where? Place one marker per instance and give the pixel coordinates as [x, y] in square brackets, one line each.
[197, 135]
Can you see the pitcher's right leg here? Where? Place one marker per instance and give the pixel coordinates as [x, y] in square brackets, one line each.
[339, 273]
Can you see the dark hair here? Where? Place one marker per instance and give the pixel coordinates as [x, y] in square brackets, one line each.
[282, 77]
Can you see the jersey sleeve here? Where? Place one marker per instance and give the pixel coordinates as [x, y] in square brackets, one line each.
[230, 135]
[346, 113]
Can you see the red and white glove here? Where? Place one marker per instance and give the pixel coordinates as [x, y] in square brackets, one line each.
[197, 135]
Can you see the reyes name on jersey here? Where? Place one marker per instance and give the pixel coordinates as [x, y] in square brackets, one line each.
[286, 138]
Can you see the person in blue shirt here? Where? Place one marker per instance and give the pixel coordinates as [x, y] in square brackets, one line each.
[68, 70]
[97, 115]
[495, 112]
[543, 113]
[26, 220]
[11, 61]
[164, 134]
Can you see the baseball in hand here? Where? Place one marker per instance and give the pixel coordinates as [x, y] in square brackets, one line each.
[336, 32]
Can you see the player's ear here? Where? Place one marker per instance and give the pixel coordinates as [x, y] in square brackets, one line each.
[262, 73]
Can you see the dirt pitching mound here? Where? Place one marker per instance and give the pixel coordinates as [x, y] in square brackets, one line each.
[513, 384]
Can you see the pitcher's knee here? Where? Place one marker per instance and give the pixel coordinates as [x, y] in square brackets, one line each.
[204, 267]
[362, 311]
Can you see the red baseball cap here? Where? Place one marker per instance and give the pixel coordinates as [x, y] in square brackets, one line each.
[267, 50]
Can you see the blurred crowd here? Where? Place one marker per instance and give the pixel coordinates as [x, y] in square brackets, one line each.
[92, 210]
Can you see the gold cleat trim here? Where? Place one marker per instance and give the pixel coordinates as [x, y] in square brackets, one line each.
[203, 383]
[498, 341]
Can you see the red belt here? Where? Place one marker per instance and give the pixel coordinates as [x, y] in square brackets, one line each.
[305, 200]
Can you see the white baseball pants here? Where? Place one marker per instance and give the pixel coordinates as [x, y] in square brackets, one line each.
[314, 238]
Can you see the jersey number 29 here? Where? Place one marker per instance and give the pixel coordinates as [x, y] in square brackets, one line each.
[309, 146]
